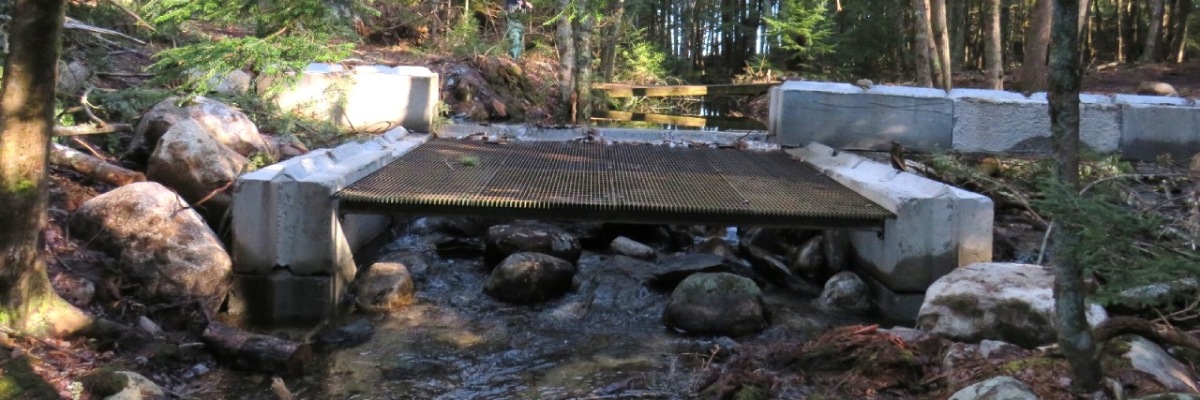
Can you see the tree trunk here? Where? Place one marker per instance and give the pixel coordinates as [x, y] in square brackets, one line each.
[93, 167]
[1037, 40]
[1179, 27]
[1074, 335]
[958, 33]
[565, 41]
[608, 51]
[941, 35]
[1121, 27]
[921, 33]
[992, 53]
[583, 63]
[28, 303]
[255, 352]
[1153, 32]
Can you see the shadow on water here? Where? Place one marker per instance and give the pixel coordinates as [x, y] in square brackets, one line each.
[718, 115]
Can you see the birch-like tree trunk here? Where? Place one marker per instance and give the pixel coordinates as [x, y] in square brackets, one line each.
[941, 35]
[565, 41]
[921, 41]
[993, 49]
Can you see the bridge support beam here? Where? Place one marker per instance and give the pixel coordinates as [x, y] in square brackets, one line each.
[293, 254]
[937, 227]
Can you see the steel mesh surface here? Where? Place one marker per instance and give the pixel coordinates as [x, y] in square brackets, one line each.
[610, 182]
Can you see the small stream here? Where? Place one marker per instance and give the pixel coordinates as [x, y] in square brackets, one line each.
[604, 339]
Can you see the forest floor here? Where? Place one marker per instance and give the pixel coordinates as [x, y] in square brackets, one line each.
[172, 360]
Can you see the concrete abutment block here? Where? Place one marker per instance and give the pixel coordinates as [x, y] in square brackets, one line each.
[846, 116]
[286, 226]
[368, 98]
[937, 227]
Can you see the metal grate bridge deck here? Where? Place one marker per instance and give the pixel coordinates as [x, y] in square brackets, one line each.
[635, 183]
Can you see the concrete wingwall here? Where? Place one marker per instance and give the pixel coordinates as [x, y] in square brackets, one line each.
[976, 121]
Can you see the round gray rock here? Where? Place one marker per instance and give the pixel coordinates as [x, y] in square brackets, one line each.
[629, 247]
[385, 286]
[998, 388]
[508, 239]
[529, 278]
[716, 304]
[845, 291]
[164, 249]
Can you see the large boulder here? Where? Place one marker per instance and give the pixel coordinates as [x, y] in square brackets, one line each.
[227, 125]
[131, 386]
[508, 239]
[386, 285]
[998, 388]
[164, 249]
[716, 304]
[191, 161]
[1147, 357]
[1009, 302]
[529, 278]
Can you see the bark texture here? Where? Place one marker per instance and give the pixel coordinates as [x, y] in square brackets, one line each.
[993, 49]
[921, 41]
[1037, 43]
[28, 303]
[1074, 335]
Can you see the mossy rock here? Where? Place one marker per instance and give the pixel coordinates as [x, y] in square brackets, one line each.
[19, 381]
[104, 382]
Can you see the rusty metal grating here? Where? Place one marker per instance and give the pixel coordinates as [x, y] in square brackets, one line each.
[611, 182]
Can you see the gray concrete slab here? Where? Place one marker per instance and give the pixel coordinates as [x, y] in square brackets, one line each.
[937, 227]
[1153, 126]
[845, 116]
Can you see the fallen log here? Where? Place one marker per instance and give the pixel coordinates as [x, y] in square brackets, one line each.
[78, 130]
[93, 167]
[1158, 333]
[255, 352]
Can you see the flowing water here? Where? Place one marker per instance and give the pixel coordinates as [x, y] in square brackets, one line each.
[603, 340]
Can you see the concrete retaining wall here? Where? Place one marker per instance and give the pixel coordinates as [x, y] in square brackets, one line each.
[937, 227]
[286, 231]
[975, 120]
[367, 98]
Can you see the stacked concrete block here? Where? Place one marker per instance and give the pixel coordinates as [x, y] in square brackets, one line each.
[937, 227]
[1152, 126]
[996, 121]
[846, 116]
[287, 233]
[368, 98]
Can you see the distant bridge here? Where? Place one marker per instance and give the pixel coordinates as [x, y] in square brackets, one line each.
[617, 90]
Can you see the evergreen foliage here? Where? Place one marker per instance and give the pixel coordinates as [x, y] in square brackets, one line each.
[1121, 247]
[286, 36]
[801, 28]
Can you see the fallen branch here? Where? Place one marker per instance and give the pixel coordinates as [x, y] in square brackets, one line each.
[79, 130]
[1161, 334]
[252, 351]
[135, 16]
[72, 23]
[93, 167]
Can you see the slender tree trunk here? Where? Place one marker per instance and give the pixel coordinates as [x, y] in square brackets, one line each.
[958, 33]
[1153, 32]
[941, 35]
[921, 40]
[565, 41]
[1037, 40]
[992, 52]
[1074, 335]
[27, 301]
[1179, 27]
[583, 62]
[1121, 28]
[608, 53]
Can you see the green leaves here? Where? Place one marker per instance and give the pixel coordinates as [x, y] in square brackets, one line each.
[801, 28]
